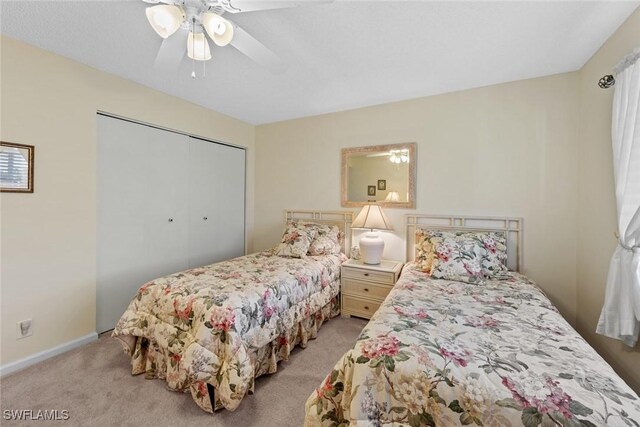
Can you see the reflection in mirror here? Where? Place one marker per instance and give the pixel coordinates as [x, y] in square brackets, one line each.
[382, 174]
[375, 170]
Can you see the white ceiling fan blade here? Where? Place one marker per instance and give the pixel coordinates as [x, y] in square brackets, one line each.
[255, 50]
[172, 51]
[238, 6]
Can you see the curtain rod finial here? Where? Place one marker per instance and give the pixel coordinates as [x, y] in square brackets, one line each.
[607, 81]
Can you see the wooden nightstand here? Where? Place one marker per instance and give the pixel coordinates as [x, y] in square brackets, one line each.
[365, 286]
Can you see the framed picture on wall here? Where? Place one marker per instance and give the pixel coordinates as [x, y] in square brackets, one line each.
[16, 167]
[382, 184]
[371, 190]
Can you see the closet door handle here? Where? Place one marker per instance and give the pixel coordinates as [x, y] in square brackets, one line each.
[205, 218]
[170, 219]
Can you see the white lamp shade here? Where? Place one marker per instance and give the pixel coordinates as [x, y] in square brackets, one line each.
[373, 218]
[393, 196]
[198, 47]
[165, 19]
[219, 29]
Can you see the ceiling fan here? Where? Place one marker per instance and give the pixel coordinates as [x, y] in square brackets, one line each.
[395, 156]
[191, 23]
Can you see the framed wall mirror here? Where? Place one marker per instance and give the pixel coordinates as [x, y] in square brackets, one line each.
[382, 174]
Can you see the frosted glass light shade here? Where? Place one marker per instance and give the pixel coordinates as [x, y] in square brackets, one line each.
[371, 245]
[198, 47]
[399, 156]
[219, 29]
[165, 19]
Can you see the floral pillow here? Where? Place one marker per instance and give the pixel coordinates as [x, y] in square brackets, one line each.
[493, 246]
[296, 241]
[495, 263]
[327, 241]
[424, 248]
[456, 258]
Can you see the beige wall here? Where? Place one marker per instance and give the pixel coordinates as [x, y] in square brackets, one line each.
[49, 237]
[596, 199]
[503, 150]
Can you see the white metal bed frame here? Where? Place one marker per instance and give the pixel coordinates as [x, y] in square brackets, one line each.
[342, 219]
[509, 227]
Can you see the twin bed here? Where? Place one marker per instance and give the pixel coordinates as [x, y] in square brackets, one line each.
[212, 330]
[443, 352]
[437, 352]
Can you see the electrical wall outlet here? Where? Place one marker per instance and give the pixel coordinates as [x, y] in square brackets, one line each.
[24, 329]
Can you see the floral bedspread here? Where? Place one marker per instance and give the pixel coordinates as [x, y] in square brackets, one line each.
[442, 353]
[207, 325]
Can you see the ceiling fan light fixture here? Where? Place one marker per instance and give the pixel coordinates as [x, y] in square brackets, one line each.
[165, 19]
[399, 156]
[198, 47]
[219, 29]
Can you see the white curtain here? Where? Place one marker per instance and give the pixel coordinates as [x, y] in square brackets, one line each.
[620, 316]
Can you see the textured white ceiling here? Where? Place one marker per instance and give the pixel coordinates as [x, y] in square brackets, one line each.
[339, 56]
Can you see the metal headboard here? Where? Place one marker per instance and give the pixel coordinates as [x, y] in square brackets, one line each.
[511, 228]
[342, 219]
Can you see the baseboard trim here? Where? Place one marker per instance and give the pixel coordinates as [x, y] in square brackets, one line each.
[18, 365]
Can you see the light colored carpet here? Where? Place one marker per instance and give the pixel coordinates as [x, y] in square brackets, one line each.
[94, 383]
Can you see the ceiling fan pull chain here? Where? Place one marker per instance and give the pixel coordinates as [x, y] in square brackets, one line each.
[204, 56]
[193, 43]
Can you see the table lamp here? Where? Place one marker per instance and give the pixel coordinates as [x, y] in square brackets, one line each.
[371, 217]
[393, 196]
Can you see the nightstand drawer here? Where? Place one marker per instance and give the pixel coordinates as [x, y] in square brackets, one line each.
[369, 275]
[365, 289]
[358, 306]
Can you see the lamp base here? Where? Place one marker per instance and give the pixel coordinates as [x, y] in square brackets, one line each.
[371, 248]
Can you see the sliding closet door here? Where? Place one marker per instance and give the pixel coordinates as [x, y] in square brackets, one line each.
[121, 218]
[230, 167]
[142, 217]
[167, 177]
[166, 202]
[202, 203]
[216, 202]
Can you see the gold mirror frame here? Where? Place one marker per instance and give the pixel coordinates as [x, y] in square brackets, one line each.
[353, 151]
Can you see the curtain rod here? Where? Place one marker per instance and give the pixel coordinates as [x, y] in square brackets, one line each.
[609, 80]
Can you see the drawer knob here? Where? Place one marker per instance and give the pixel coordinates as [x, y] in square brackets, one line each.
[366, 274]
[170, 219]
[366, 307]
[366, 289]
